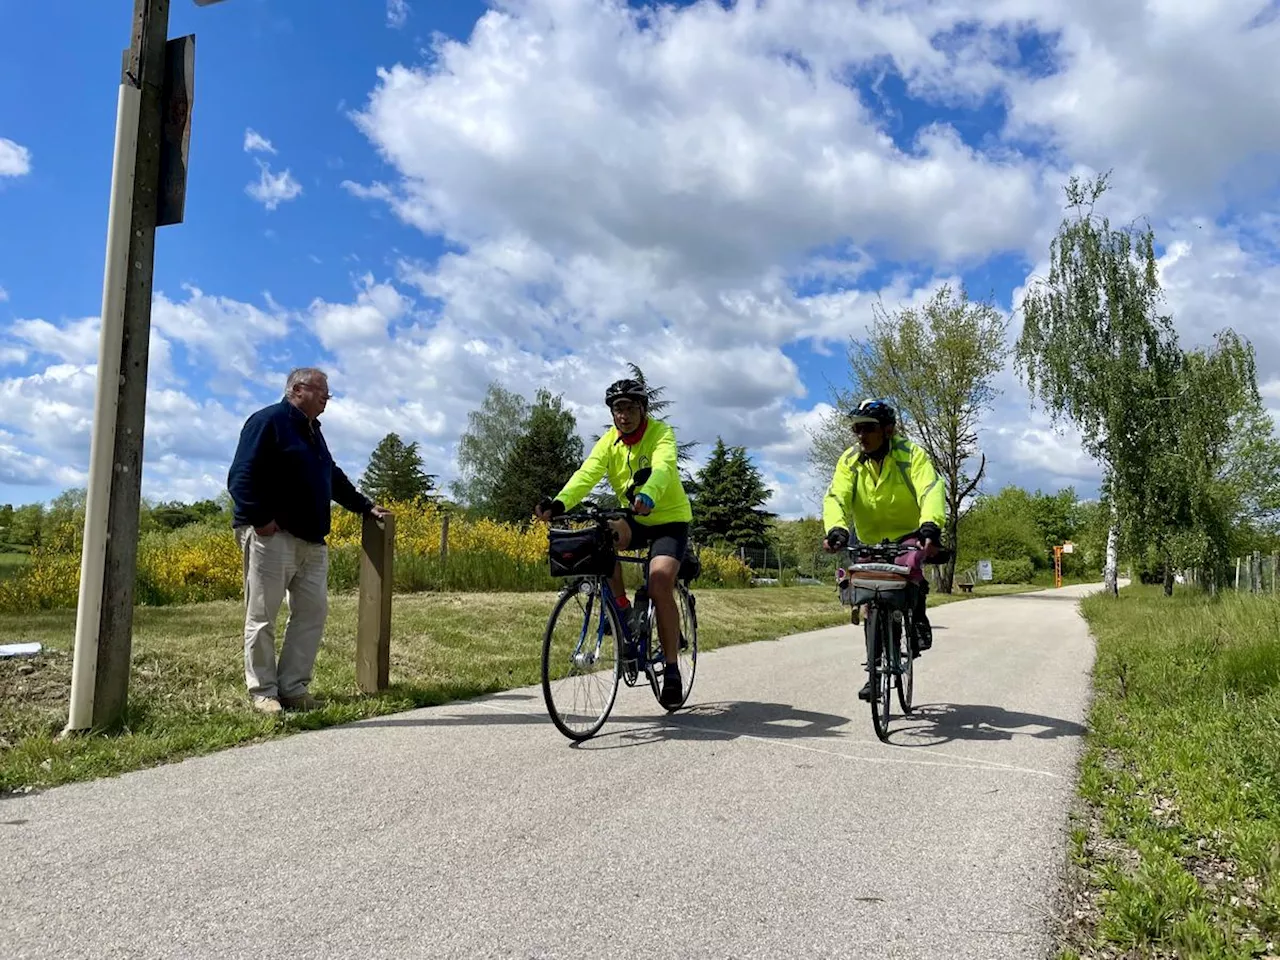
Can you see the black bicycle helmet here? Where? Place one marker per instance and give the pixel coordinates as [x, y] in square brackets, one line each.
[626, 390]
[873, 411]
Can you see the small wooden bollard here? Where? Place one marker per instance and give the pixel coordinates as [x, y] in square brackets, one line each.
[373, 622]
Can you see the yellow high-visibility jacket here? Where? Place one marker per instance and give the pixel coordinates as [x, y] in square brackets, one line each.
[879, 501]
[613, 458]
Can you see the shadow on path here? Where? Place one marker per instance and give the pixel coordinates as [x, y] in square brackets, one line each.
[724, 720]
[933, 723]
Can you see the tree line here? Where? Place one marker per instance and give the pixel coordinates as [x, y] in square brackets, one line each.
[1190, 460]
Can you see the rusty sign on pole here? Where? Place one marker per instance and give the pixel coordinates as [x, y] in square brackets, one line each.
[175, 143]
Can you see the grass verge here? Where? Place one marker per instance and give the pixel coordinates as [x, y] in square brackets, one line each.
[187, 690]
[1176, 850]
[12, 562]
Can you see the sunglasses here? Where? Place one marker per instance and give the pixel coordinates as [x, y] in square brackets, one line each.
[861, 428]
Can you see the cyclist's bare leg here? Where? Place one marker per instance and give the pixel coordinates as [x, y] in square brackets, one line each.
[622, 536]
[662, 584]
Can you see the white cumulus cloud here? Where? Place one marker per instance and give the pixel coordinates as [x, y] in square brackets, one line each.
[256, 142]
[397, 13]
[273, 189]
[15, 159]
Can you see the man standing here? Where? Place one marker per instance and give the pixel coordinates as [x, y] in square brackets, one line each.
[282, 482]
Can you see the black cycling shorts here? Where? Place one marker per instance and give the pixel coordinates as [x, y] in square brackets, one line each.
[662, 539]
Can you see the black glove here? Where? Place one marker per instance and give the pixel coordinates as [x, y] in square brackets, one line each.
[930, 533]
[555, 507]
[837, 538]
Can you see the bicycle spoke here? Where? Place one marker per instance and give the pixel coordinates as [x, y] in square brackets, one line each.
[580, 663]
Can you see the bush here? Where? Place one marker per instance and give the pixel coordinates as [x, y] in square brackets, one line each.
[202, 561]
[1012, 571]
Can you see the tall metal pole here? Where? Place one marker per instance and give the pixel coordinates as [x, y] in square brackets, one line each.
[104, 616]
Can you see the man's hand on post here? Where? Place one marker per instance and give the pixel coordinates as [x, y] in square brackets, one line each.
[379, 513]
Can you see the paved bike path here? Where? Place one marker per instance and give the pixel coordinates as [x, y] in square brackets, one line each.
[765, 821]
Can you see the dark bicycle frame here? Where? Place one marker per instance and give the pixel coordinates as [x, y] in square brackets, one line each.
[635, 655]
[888, 552]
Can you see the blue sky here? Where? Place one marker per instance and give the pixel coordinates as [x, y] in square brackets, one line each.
[541, 190]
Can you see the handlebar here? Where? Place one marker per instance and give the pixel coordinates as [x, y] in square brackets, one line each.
[887, 551]
[595, 514]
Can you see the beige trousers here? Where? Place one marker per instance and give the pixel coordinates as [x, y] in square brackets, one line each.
[275, 567]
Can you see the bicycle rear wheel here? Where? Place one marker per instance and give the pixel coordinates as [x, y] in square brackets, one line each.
[878, 668]
[904, 678]
[580, 666]
[687, 658]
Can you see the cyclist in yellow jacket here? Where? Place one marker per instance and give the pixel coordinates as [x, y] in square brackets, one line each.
[641, 452]
[886, 488]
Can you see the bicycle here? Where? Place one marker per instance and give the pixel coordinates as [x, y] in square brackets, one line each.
[589, 649]
[877, 581]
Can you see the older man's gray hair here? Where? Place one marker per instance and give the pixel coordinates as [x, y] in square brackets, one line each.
[302, 375]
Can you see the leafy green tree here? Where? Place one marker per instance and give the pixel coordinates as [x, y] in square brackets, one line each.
[728, 495]
[1002, 526]
[542, 459]
[1055, 516]
[395, 473]
[486, 445]
[799, 543]
[174, 514]
[28, 522]
[1095, 350]
[937, 364]
[1250, 474]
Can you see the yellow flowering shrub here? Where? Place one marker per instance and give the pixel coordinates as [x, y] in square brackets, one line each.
[203, 562]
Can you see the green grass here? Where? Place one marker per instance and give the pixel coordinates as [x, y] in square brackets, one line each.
[1179, 849]
[11, 561]
[187, 692]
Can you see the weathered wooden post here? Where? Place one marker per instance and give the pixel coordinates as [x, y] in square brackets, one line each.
[373, 621]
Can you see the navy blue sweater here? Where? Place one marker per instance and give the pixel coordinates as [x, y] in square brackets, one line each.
[283, 471]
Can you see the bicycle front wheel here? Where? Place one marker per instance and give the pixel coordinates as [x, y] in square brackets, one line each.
[580, 666]
[879, 669]
[904, 677]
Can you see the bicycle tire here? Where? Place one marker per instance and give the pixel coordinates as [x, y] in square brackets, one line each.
[595, 608]
[687, 657]
[877, 632]
[904, 679]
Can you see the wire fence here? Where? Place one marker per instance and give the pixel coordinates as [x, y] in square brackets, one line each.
[773, 566]
[1253, 573]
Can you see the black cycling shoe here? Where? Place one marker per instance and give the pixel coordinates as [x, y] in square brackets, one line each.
[865, 692]
[924, 637]
[672, 692]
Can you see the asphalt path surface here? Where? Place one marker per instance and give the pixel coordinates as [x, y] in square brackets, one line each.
[763, 821]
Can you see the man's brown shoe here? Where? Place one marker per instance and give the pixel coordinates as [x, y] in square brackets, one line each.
[303, 701]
